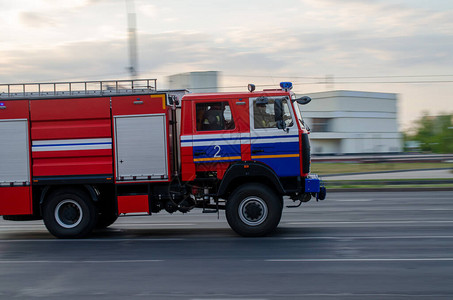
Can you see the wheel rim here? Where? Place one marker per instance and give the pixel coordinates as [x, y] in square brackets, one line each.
[253, 211]
[68, 213]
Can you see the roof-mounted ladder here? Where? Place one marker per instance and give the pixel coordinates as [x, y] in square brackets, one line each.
[77, 88]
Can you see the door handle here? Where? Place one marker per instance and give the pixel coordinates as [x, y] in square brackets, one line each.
[257, 151]
[199, 153]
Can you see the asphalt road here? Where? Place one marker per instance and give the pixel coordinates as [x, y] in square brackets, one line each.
[350, 246]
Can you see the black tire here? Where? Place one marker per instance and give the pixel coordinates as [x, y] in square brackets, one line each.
[69, 213]
[253, 210]
[105, 219]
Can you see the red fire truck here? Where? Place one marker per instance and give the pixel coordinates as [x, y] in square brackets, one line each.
[79, 154]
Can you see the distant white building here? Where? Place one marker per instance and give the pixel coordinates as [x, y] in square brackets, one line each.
[196, 82]
[345, 122]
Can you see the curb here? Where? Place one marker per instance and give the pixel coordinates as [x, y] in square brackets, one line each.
[336, 183]
[381, 172]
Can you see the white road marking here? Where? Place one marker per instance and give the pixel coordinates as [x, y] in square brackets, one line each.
[215, 298]
[101, 240]
[353, 200]
[373, 222]
[20, 226]
[337, 295]
[105, 240]
[153, 224]
[368, 237]
[78, 261]
[356, 259]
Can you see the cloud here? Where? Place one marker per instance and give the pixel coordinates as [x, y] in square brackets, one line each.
[36, 20]
[377, 17]
[240, 52]
[66, 62]
[351, 38]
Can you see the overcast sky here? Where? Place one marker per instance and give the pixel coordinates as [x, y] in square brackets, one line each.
[399, 46]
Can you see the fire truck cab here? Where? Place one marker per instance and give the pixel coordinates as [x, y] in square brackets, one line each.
[79, 158]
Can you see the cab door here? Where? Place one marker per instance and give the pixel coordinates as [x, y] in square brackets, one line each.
[274, 138]
[216, 136]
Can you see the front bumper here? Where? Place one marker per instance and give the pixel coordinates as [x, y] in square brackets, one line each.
[314, 186]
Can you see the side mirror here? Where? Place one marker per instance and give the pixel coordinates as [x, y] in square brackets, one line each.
[303, 100]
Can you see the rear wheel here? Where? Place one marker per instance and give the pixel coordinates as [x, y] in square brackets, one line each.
[253, 210]
[69, 213]
[106, 218]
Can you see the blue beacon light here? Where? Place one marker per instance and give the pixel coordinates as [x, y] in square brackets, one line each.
[286, 85]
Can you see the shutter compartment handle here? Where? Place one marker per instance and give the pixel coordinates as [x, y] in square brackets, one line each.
[257, 151]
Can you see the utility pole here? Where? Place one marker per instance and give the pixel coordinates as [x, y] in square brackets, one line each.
[132, 38]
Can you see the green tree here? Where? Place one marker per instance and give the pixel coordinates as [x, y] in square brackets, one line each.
[435, 134]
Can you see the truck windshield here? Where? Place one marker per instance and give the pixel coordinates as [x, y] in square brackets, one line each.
[268, 111]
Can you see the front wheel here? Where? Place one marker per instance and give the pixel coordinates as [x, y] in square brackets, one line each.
[69, 213]
[253, 210]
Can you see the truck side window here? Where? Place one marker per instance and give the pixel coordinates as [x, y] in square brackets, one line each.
[214, 116]
[264, 114]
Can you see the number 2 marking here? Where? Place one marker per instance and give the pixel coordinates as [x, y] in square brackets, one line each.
[218, 150]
